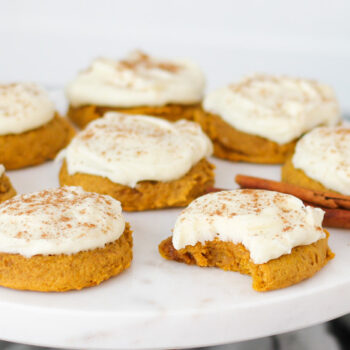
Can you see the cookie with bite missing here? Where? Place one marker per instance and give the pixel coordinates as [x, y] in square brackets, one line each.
[268, 235]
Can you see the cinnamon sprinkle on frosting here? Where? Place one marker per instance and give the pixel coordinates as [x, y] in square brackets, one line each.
[324, 155]
[23, 107]
[269, 224]
[137, 80]
[139, 59]
[278, 108]
[130, 148]
[59, 221]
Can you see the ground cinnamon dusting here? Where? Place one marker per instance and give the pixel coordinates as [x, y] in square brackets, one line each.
[53, 208]
[141, 60]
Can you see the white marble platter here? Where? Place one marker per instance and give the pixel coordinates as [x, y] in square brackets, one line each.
[158, 304]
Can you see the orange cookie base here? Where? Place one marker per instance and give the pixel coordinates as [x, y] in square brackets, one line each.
[232, 144]
[35, 146]
[59, 273]
[291, 175]
[6, 189]
[147, 194]
[81, 116]
[303, 262]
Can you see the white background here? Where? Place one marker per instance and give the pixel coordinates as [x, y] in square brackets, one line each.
[48, 41]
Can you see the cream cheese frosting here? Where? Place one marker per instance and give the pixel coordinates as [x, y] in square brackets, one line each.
[65, 220]
[2, 170]
[130, 148]
[138, 80]
[24, 107]
[324, 155]
[269, 224]
[279, 109]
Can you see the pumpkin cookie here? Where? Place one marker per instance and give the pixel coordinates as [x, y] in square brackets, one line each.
[6, 189]
[321, 161]
[269, 235]
[31, 132]
[139, 84]
[260, 118]
[144, 162]
[62, 239]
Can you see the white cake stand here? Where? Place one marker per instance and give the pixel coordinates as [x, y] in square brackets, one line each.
[160, 304]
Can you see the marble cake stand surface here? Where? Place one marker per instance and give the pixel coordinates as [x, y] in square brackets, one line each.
[160, 304]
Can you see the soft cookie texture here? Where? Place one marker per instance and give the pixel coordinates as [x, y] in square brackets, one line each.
[232, 144]
[321, 161]
[269, 235]
[35, 146]
[83, 115]
[6, 189]
[138, 84]
[62, 239]
[31, 131]
[302, 263]
[145, 162]
[59, 273]
[148, 194]
[298, 177]
[260, 118]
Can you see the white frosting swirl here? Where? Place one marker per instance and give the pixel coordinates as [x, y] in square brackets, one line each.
[130, 148]
[139, 80]
[324, 156]
[269, 224]
[24, 107]
[65, 220]
[280, 109]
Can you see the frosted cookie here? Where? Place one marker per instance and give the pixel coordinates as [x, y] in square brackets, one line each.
[260, 118]
[138, 84]
[269, 235]
[31, 131]
[62, 239]
[321, 161]
[6, 189]
[144, 162]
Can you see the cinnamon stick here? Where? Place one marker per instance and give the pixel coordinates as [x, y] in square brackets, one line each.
[324, 199]
[214, 189]
[338, 218]
[334, 216]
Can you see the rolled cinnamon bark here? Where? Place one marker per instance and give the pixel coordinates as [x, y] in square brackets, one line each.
[324, 199]
[336, 207]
